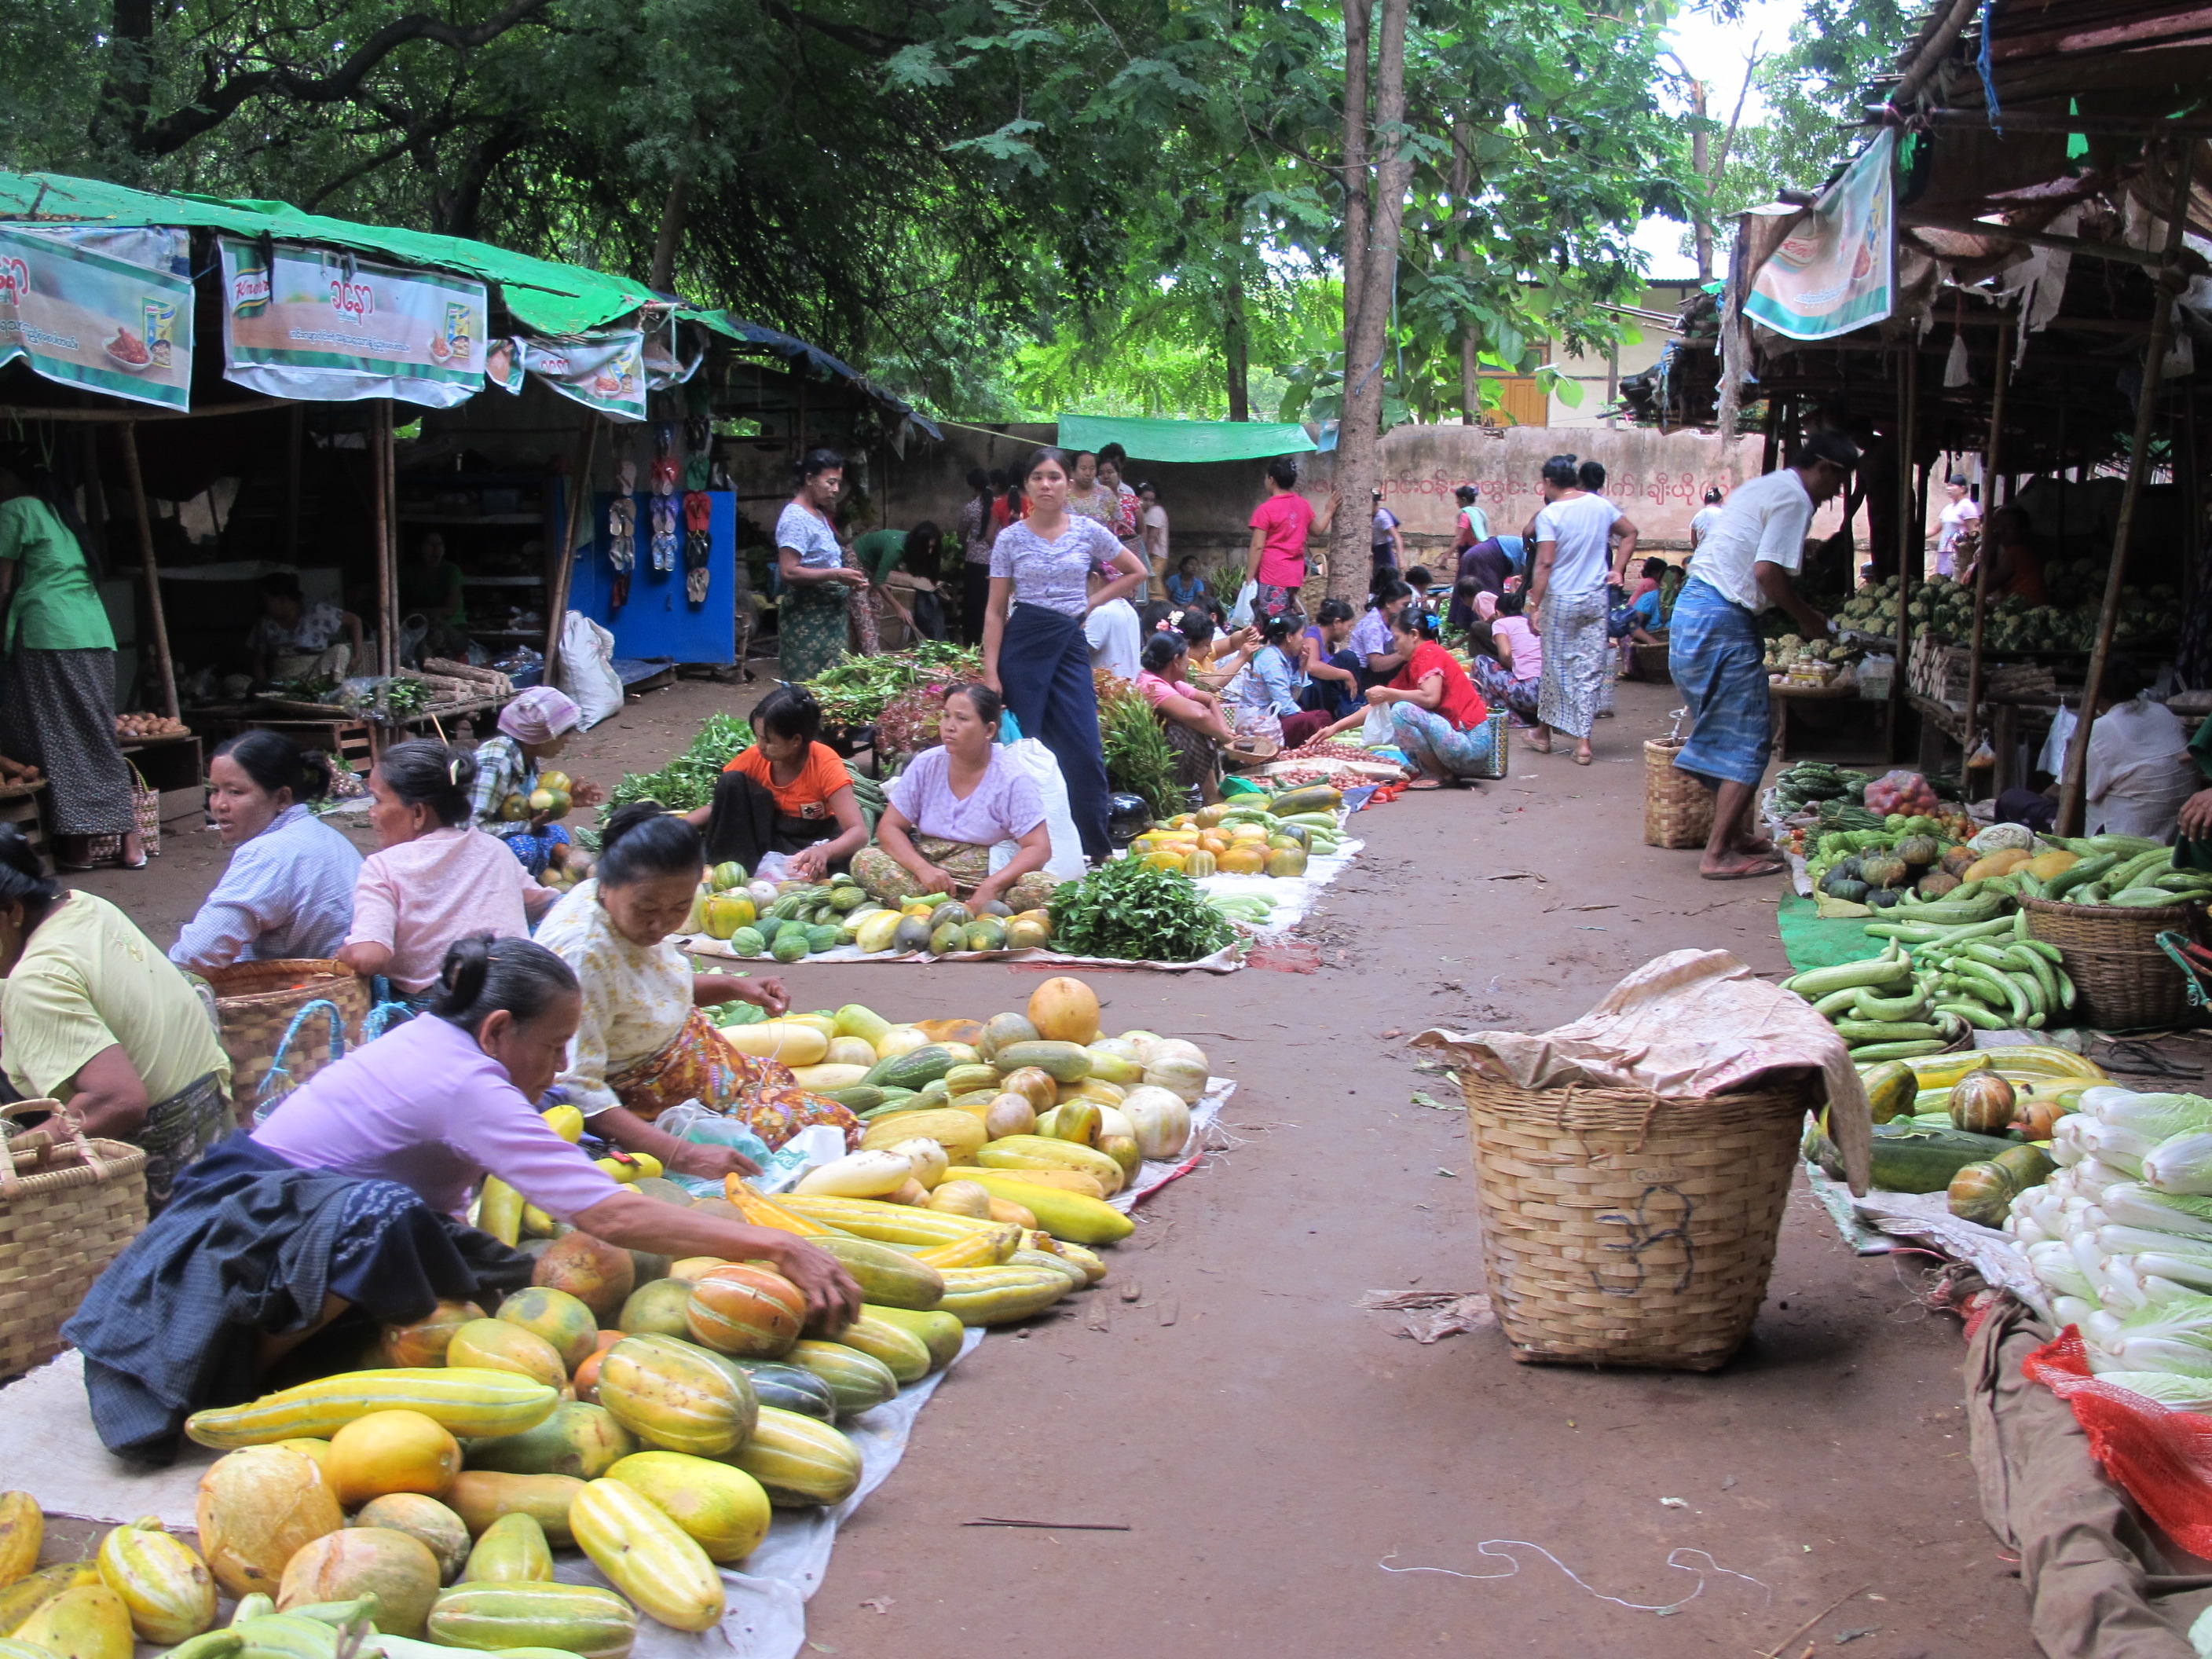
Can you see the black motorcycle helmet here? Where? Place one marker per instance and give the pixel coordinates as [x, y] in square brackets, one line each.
[1127, 816]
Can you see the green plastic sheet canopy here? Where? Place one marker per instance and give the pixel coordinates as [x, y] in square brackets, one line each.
[1185, 441]
[545, 297]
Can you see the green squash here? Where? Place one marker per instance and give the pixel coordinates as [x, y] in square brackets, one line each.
[1883, 869]
[1920, 851]
[791, 943]
[1836, 884]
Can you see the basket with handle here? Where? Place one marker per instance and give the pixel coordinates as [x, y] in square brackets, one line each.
[1648, 662]
[257, 1003]
[1624, 1228]
[1678, 810]
[2122, 979]
[281, 1079]
[68, 1206]
[146, 818]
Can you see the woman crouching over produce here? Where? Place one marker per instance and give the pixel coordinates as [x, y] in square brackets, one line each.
[1437, 715]
[642, 1045]
[346, 1204]
[97, 1018]
[950, 807]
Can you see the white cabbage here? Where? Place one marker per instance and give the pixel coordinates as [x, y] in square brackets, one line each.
[2181, 1164]
[2131, 1204]
[2071, 1310]
[2181, 1394]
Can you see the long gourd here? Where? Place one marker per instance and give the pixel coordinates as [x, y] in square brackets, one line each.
[467, 1401]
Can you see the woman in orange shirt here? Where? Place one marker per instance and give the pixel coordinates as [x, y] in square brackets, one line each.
[788, 793]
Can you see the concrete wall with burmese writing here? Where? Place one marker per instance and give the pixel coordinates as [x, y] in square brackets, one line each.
[1657, 481]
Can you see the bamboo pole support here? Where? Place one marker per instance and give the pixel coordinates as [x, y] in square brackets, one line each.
[388, 586]
[564, 557]
[2072, 792]
[1908, 536]
[1989, 457]
[127, 436]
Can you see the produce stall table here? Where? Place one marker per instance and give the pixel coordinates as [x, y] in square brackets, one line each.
[1826, 723]
[172, 767]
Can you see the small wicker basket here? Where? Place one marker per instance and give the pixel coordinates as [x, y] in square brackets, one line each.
[68, 1206]
[1678, 810]
[1648, 662]
[1621, 1228]
[255, 1002]
[2122, 981]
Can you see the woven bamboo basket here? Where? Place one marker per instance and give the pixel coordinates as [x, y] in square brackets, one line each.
[2122, 981]
[1678, 810]
[255, 1002]
[1648, 662]
[1621, 1228]
[1501, 749]
[68, 1206]
[145, 817]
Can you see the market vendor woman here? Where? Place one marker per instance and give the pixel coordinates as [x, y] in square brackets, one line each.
[788, 792]
[643, 1042]
[347, 1204]
[811, 624]
[97, 1018]
[950, 807]
[533, 729]
[57, 705]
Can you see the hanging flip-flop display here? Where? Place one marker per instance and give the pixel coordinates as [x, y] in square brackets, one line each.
[698, 545]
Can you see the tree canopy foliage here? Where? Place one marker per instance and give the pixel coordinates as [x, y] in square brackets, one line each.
[990, 204]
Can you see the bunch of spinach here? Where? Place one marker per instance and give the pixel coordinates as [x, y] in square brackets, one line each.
[1129, 910]
[688, 780]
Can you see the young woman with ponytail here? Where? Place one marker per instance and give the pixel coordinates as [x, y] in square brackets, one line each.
[343, 1210]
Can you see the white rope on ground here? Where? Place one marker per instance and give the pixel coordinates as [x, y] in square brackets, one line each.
[1494, 1547]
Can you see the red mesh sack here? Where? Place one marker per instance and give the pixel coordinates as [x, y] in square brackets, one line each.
[2161, 1457]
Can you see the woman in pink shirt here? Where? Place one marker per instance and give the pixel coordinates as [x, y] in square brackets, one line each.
[1191, 716]
[433, 879]
[1276, 558]
[346, 1206]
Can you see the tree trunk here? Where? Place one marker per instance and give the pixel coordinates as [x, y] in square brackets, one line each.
[1359, 434]
[1701, 162]
[1237, 351]
[1470, 340]
[672, 233]
[120, 115]
[1357, 18]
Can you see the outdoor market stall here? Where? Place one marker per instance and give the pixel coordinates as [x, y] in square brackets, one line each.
[631, 1456]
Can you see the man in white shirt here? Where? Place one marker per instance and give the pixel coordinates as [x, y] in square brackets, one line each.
[1567, 603]
[1114, 635]
[1715, 653]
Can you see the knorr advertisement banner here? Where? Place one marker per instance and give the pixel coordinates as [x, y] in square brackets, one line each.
[605, 372]
[1837, 270]
[312, 323]
[108, 310]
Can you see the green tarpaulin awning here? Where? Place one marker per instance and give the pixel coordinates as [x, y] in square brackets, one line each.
[545, 297]
[1185, 441]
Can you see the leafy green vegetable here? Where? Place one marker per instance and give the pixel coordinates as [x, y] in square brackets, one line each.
[1128, 909]
[1138, 760]
[856, 690]
[688, 780]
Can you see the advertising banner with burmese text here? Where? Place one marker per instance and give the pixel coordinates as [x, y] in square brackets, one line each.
[108, 310]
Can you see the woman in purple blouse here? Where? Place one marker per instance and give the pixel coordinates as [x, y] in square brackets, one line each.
[344, 1210]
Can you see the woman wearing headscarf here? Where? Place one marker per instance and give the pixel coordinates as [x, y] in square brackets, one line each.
[811, 617]
[1035, 654]
[58, 712]
[533, 729]
[97, 1018]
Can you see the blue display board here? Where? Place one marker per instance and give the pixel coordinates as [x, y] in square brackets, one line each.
[658, 620]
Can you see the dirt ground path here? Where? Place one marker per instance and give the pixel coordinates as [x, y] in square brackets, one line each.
[1271, 1447]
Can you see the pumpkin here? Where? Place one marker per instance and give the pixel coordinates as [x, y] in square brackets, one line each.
[1981, 1193]
[1959, 860]
[1937, 883]
[1920, 851]
[2000, 863]
[1890, 1089]
[1982, 1102]
[2027, 1166]
[1838, 885]
[1883, 869]
[1880, 898]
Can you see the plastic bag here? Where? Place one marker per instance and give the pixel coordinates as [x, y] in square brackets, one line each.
[1065, 863]
[1240, 614]
[2052, 757]
[586, 669]
[1900, 791]
[695, 1123]
[1376, 730]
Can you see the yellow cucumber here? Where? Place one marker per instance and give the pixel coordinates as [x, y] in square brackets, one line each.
[887, 1224]
[987, 1248]
[465, 1401]
[499, 1211]
[1063, 1214]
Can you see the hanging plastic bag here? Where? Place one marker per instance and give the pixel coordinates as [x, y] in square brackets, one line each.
[2052, 759]
[1065, 863]
[1240, 614]
[586, 669]
[1376, 730]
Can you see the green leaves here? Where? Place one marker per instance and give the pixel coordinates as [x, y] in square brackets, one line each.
[1128, 910]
